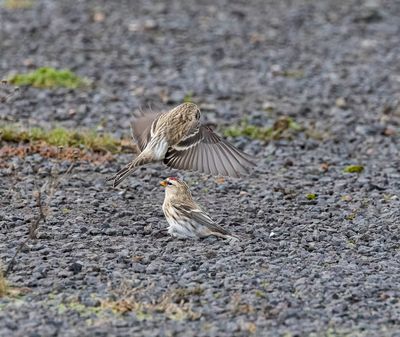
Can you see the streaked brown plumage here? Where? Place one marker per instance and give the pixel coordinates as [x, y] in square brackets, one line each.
[185, 217]
[179, 140]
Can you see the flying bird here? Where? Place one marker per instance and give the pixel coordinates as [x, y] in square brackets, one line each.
[185, 217]
[178, 139]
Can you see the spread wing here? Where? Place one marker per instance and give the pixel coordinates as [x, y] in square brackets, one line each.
[141, 128]
[204, 151]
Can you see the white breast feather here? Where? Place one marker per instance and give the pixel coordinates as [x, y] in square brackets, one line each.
[158, 147]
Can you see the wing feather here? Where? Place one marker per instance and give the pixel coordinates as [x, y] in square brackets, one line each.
[206, 152]
[189, 158]
[212, 163]
[141, 128]
[234, 157]
[230, 167]
[200, 158]
[202, 218]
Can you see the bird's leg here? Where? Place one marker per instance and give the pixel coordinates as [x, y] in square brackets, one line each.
[161, 233]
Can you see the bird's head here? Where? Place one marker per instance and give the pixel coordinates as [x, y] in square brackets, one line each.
[188, 110]
[174, 186]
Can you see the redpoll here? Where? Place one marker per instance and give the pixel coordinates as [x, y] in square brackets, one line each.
[186, 219]
[179, 140]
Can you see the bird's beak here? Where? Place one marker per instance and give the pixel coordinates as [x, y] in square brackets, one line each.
[163, 183]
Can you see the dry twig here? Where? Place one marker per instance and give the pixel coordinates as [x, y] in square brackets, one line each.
[41, 217]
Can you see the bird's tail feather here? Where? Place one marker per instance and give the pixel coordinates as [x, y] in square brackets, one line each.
[230, 237]
[122, 174]
[128, 169]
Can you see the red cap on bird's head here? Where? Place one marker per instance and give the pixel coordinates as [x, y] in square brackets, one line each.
[164, 183]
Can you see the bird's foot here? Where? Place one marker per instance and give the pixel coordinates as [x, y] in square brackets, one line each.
[160, 233]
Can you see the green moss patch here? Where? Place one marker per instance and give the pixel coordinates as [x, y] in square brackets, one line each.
[46, 77]
[18, 4]
[354, 169]
[311, 196]
[284, 127]
[88, 140]
[188, 97]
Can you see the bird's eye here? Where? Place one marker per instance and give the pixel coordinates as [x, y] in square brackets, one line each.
[169, 183]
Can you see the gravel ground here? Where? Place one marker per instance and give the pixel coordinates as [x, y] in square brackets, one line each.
[322, 267]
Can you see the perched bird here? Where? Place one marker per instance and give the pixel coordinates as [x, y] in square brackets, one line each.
[186, 219]
[179, 140]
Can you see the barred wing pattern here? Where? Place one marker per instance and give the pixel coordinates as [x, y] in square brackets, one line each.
[201, 150]
[206, 152]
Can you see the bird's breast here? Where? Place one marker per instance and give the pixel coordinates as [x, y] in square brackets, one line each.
[158, 147]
